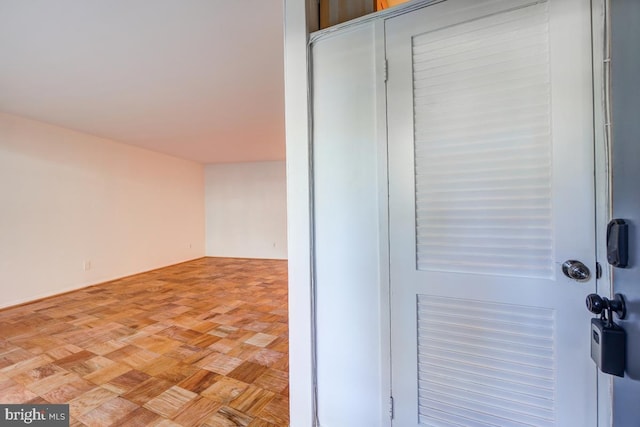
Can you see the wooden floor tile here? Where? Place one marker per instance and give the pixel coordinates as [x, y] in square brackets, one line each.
[127, 381]
[133, 356]
[11, 392]
[267, 357]
[68, 391]
[227, 417]
[45, 385]
[91, 365]
[258, 422]
[273, 380]
[275, 412]
[63, 351]
[252, 400]
[157, 344]
[141, 417]
[37, 374]
[15, 356]
[248, 372]
[200, 381]
[106, 373]
[178, 372]
[171, 402]
[261, 340]
[75, 359]
[220, 363]
[203, 343]
[196, 411]
[225, 390]
[189, 354]
[39, 344]
[223, 345]
[147, 390]
[89, 401]
[112, 412]
[159, 365]
[106, 347]
[25, 365]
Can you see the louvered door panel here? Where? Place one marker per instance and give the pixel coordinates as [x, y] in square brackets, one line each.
[483, 146]
[485, 364]
[490, 131]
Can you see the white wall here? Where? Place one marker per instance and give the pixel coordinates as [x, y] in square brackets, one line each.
[301, 402]
[246, 210]
[68, 198]
[350, 224]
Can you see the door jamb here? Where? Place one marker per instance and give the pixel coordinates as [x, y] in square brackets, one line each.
[386, 406]
[602, 184]
[600, 31]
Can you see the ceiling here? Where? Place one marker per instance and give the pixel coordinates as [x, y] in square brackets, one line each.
[197, 79]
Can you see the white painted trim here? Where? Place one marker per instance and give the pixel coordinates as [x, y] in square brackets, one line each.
[383, 205]
[301, 371]
[602, 187]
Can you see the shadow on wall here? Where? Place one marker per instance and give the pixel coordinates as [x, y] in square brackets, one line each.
[632, 326]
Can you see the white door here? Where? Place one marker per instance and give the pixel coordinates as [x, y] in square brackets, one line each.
[491, 189]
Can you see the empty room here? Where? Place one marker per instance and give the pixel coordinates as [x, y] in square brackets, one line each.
[143, 253]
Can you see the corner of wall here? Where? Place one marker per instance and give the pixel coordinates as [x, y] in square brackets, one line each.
[78, 210]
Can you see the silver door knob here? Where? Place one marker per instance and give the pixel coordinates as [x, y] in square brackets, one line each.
[576, 270]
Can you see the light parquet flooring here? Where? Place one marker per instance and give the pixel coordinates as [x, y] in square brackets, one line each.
[203, 343]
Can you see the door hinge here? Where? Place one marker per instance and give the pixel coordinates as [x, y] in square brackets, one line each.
[391, 407]
[598, 270]
[386, 70]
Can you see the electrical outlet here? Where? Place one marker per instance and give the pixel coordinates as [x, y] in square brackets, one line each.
[87, 265]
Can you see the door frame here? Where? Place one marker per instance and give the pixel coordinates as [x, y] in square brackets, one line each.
[299, 193]
[599, 31]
